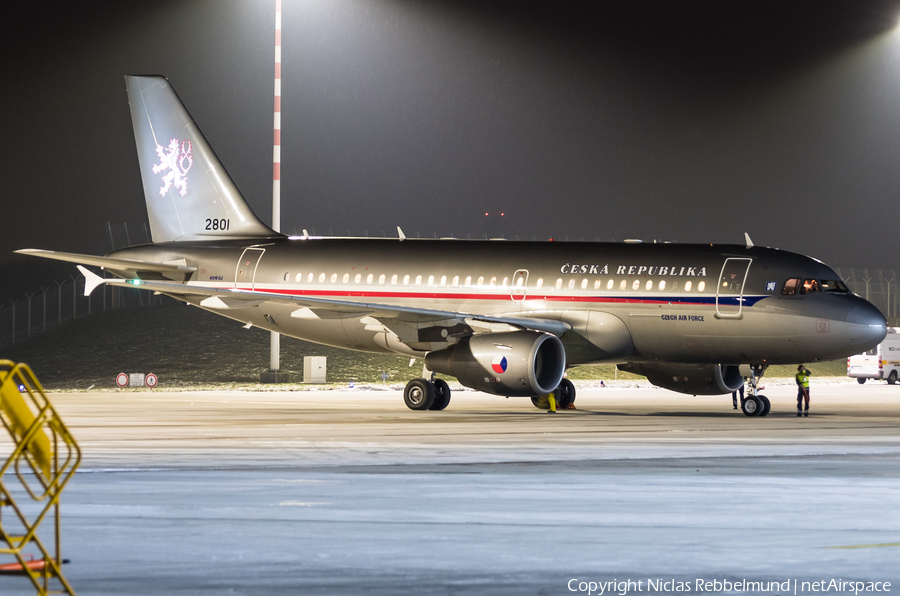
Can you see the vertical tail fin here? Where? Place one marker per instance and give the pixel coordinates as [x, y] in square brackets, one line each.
[189, 194]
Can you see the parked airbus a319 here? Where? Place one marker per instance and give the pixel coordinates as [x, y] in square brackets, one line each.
[506, 318]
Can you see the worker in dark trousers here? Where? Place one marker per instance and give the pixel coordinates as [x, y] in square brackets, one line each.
[802, 379]
[734, 397]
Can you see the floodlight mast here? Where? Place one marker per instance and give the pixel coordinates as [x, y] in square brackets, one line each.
[275, 337]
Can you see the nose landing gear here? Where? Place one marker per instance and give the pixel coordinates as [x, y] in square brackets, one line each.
[756, 404]
[564, 394]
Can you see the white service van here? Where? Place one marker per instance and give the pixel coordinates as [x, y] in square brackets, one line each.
[881, 362]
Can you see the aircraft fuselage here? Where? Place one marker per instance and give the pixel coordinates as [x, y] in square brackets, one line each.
[624, 302]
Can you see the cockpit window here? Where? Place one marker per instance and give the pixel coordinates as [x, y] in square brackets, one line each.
[834, 286]
[791, 286]
[810, 286]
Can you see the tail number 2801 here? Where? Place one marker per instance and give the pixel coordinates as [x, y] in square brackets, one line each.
[218, 224]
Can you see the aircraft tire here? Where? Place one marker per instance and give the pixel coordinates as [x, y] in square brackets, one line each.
[540, 402]
[767, 406]
[419, 394]
[892, 378]
[861, 380]
[441, 395]
[752, 406]
[564, 394]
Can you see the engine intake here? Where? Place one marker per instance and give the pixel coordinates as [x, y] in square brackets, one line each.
[517, 363]
[693, 379]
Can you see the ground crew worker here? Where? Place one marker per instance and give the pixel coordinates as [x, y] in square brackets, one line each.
[552, 401]
[734, 397]
[802, 379]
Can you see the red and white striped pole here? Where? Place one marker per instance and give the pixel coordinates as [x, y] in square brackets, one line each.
[276, 154]
[275, 337]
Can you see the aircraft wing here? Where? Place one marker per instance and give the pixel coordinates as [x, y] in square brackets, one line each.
[391, 316]
[108, 262]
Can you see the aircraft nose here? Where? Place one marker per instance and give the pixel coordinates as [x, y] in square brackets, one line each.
[869, 325]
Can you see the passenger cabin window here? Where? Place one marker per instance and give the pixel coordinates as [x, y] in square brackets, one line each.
[649, 284]
[558, 283]
[286, 275]
[443, 280]
[622, 285]
[636, 284]
[810, 286]
[418, 280]
[701, 286]
[405, 280]
[430, 280]
[571, 284]
[609, 285]
[299, 278]
[468, 281]
[481, 281]
[381, 279]
[321, 277]
[791, 286]
[540, 282]
[662, 285]
[597, 284]
[687, 286]
[584, 284]
[357, 279]
[346, 278]
[370, 277]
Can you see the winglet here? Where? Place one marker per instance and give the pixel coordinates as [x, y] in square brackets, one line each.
[402, 235]
[747, 238]
[91, 280]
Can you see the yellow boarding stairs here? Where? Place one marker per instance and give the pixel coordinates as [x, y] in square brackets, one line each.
[44, 457]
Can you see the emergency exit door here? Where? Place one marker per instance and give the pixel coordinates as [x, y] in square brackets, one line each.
[730, 290]
[245, 272]
[518, 288]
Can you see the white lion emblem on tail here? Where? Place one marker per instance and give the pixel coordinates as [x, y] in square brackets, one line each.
[178, 160]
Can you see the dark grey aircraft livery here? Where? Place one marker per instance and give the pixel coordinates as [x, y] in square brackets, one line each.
[506, 318]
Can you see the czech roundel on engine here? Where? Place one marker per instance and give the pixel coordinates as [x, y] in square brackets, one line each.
[499, 364]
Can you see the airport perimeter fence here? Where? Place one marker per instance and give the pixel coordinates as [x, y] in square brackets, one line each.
[879, 286]
[64, 302]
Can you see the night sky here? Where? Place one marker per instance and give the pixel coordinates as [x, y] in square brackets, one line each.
[691, 121]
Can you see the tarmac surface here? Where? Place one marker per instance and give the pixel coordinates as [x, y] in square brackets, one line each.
[349, 492]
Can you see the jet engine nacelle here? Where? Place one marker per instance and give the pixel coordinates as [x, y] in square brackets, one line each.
[693, 379]
[517, 363]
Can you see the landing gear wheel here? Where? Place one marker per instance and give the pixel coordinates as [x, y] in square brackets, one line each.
[441, 395]
[767, 405]
[892, 378]
[752, 406]
[540, 402]
[419, 394]
[564, 394]
[861, 381]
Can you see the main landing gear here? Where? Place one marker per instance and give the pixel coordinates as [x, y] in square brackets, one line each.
[422, 394]
[755, 404]
[564, 395]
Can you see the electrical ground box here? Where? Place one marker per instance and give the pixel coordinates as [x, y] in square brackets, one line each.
[314, 369]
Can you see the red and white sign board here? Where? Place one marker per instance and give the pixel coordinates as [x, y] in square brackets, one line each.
[122, 380]
[151, 380]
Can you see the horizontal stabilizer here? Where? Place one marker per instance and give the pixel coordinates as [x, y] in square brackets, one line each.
[107, 262]
[91, 280]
